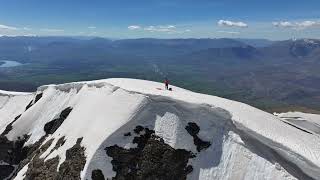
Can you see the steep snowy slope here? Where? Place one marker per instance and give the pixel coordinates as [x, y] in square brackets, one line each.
[132, 129]
[11, 105]
[305, 121]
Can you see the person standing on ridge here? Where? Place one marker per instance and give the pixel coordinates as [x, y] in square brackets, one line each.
[166, 83]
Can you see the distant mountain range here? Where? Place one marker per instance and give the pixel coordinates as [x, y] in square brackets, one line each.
[290, 49]
[263, 73]
[256, 42]
[31, 47]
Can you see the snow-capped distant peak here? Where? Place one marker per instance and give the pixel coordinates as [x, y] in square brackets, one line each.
[306, 41]
[310, 41]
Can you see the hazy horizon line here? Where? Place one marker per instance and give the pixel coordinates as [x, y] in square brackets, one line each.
[104, 37]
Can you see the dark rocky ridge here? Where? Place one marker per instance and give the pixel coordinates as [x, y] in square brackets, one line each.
[74, 163]
[33, 150]
[39, 169]
[15, 156]
[59, 143]
[9, 126]
[152, 159]
[11, 154]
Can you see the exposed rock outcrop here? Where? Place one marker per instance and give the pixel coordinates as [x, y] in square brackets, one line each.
[53, 125]
[32, 102]
[9, 126]
[39, 169]
[97, 175]
[11, 154]
[152, 159]
[193, 129]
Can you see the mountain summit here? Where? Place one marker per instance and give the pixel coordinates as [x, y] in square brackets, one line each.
[133, 129]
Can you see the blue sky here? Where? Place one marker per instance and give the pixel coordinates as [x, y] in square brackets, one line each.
[271, 19]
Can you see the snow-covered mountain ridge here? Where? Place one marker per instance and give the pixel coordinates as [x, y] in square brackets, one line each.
[121, 128]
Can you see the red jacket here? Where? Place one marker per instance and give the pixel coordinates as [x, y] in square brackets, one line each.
[166, 82]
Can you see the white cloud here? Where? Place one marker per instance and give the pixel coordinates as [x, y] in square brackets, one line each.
[4, 27]
[134, 27]
[52, 30]
[296, 25]
[15, 35]
[283, 24]
[157, 29]
[92, 27]
[30, 35]
[232, 24]
[161, 28]
[170, 29]
[167, 27]
[15, 31]
[308, 24]
[229, 32]
[26, 29]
